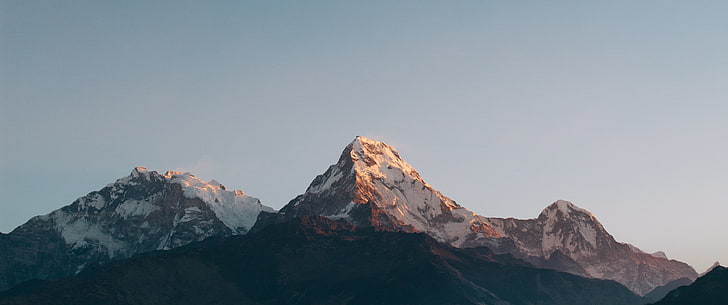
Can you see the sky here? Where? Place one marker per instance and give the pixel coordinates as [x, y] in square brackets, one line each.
[505, 106]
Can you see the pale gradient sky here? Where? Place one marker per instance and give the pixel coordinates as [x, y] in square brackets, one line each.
[504, 106]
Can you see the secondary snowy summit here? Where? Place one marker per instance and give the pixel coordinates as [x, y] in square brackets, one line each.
[568, 238]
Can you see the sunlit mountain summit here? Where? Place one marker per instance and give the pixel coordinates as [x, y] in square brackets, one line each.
[371, 185]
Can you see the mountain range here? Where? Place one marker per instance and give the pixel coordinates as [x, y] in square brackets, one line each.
[371, 185]
[370, 191]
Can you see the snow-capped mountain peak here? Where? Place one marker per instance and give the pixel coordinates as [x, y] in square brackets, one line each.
[565, 229]
[567, 226]
[363, 161]
[371, 185]
[138, 175]
[235, 209]
[565, 208]
[570, 230]
[142, 212]
[379, 159]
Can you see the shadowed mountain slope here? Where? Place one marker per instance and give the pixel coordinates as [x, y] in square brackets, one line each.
[314, 260]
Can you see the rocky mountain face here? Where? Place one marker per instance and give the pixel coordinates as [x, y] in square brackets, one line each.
[371, 186]
[315, 260]
[143, 212]
[567, 230]
[709, 289]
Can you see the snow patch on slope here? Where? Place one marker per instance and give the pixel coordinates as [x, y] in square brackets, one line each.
[130, 208]
[587, 231]
[659, 254]
[344, 213]
[328, 183]
[94, 200]
[566, 207]
[78, 231]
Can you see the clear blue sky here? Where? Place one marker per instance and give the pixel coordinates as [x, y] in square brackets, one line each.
[505, 106]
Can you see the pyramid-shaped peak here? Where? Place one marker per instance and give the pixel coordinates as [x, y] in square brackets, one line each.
[363, 146]
[565, 207]
[363, 139]
[371, 186]
[362, 162]
[377, 158]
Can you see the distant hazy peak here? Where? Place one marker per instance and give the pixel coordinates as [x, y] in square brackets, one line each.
[715, 265]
